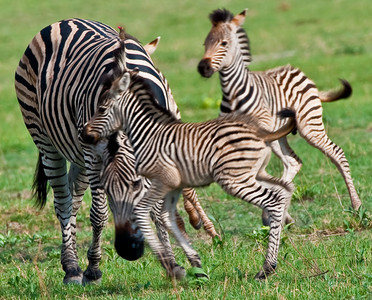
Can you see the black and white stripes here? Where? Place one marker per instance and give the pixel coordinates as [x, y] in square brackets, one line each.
[229, 150]
[59, 81]
[244, 91]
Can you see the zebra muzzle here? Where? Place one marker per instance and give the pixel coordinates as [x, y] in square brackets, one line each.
[89, 136]
[204, 68]
[129, 241]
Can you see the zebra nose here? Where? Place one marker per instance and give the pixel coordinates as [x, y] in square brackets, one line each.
[89, 136]
[204, 68]
[129, 241]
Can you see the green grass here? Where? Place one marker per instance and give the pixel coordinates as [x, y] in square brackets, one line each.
[326, 255]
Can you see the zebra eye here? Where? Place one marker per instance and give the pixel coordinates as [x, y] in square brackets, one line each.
[224, 43]
[137, 184]
[101, 109]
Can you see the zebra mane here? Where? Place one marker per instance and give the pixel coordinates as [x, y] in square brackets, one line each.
[220, 15]
[245, 46]
[117, 70]
[139, 87]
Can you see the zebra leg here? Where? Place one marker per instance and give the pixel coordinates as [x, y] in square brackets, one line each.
[291, 164]
[320, 140]
[155, 194]
[194, 217]
[194, 209]
[78, 183]
[156, 216]
[56, 172]
[248, 189]
[273, 183]
[98, 220]
[169, 216]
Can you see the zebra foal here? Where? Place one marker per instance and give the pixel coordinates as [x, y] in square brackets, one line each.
[227, 51]
[174, 155]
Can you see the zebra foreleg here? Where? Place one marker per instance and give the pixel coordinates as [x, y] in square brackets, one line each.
[78, 183]
[55, 170]
[155, 194]
[98, 220]
[169, 215]
[248, 189]
[156, 216]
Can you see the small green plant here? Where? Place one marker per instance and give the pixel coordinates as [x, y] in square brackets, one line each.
[111, 253]
[303, 193]
[358, 219]
[197, 276]
[261, 235]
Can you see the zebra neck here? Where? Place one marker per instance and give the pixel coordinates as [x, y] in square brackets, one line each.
[143, 117]
[235, 83]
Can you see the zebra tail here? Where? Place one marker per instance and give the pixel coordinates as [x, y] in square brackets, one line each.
[290, 126]
[337, 94]
[40, 187]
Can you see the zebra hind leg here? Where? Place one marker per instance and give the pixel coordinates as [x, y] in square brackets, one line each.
[321, 141]
[195, 209]
[292, 165]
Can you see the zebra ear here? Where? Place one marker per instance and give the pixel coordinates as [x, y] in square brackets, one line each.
[120, 85]
[151, 47]
[239, 19]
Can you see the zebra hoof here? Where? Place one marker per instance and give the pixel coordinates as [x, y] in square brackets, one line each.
[260, 275]
[73, 276]
[178, 272]
[78, 280]
[288, 219]
[196, 225]
[92, 276]
[265, 218]
[263, 274]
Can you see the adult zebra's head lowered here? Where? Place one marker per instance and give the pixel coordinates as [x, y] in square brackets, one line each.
[222, 42]
[124, 189]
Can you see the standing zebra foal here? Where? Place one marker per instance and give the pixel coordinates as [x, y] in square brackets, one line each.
[59, 81]
[227, 51]
[229, 150]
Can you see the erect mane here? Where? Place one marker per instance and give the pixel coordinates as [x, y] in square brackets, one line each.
[220, 15]
[117, 68]
[139, 84]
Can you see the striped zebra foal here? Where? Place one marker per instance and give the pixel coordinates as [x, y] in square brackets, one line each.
[227, 51]
[59, 81]
[229, 150]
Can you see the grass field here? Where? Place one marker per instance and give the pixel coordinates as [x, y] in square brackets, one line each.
[325, 255]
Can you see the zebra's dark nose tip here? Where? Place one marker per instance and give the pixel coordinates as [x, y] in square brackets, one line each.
[89, 136]
[129, 241]
[204, 68]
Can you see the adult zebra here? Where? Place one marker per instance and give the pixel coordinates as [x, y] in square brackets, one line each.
[229, 150]
[227, 51]
[58, 82]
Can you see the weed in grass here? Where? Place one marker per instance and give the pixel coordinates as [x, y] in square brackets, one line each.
[357, 219]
